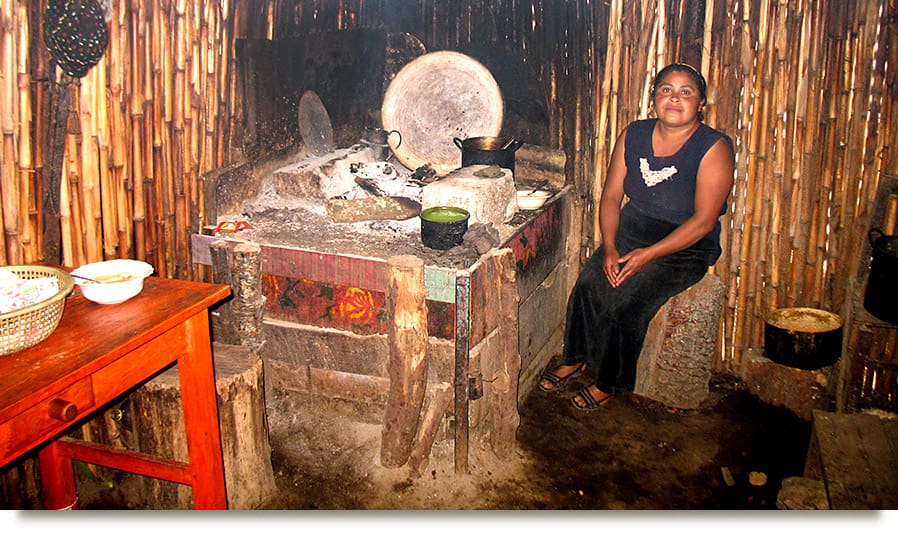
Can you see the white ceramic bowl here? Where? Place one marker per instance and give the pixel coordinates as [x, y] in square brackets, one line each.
[534, 200]
[120, 279]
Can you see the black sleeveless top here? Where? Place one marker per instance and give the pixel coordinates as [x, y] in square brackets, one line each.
[664, 187]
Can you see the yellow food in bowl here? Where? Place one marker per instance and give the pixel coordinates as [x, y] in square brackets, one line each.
[112, 281]
[114, 278]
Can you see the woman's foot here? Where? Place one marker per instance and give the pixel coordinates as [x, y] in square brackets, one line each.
[590, 398]
[554, 380]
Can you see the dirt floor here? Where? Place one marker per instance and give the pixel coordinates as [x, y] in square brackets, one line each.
[634, 454]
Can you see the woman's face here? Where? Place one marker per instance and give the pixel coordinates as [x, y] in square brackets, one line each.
[677, 99]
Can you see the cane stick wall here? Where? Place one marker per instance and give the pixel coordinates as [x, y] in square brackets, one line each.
[138, 130]
[806, 88]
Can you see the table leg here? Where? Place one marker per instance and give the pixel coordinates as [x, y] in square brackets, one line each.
[199, 400]
[57, 478]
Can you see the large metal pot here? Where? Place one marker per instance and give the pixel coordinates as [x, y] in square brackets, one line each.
[881, 296]
[488, 151]
[804, 338]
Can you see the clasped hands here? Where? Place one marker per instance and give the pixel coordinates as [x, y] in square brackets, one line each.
[618, 269]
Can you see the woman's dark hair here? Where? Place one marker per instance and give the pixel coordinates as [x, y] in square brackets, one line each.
[693, 73]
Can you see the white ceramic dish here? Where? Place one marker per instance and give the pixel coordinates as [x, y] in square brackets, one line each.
[532, 200]
[119, 280]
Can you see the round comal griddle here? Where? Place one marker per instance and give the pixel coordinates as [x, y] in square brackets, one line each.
[435, 98]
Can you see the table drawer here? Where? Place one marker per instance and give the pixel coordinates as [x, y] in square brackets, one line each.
[50, 416]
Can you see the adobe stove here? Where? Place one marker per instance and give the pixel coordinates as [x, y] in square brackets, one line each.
[328, 224]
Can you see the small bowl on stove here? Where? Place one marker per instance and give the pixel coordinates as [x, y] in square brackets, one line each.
[113, 281]
[529, 199]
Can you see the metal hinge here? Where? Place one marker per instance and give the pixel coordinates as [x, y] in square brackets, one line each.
[475, 387]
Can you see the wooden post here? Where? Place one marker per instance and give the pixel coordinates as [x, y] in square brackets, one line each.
[239, 320]
[19, 488]
[158, 424]
[222, 318]
[505, 380]
[221, 262]
[462, 365]
[407, 365]
[437, 403]
[246, 283]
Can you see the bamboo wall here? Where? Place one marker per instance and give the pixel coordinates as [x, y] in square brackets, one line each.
[117, 153]
[806, 88]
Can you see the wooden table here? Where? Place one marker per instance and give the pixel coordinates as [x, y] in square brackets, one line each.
[99, 353]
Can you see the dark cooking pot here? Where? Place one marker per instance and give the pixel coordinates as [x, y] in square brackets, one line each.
[488, 151]
[444, 227]
[881, 296]
[804, 338]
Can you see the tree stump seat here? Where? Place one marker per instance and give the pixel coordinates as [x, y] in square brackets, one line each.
[156, 419]
[677, 356]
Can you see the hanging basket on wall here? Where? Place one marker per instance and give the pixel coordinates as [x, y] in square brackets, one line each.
[75, 32]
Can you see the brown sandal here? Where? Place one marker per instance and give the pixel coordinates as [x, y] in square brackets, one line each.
[590, 402]
[558, 382]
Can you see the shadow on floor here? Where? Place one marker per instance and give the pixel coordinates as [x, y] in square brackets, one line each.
[633, 454]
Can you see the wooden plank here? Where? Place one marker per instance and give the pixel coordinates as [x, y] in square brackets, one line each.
[881, 472]
[341, 269]
[859, 343]
[858, 455]
[825, 438]
[813, 468]
[849, 466]
[440, 284]
[889, 431]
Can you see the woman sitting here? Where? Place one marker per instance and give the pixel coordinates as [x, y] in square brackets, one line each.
[677, 173]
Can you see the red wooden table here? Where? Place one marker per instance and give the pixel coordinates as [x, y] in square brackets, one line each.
[99, 353]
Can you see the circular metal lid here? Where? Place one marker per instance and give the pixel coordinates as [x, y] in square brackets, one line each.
[435, 98]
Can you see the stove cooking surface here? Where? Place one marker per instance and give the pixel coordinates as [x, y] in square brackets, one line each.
[307, 229]
[282, 215]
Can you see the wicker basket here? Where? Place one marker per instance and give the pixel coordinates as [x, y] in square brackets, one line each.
[30, 325]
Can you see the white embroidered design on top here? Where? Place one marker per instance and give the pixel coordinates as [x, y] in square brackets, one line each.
[653, 178]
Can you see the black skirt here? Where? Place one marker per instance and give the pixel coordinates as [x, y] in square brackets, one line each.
[606, 326]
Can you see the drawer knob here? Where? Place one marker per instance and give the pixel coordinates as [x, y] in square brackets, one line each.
[62, 409]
